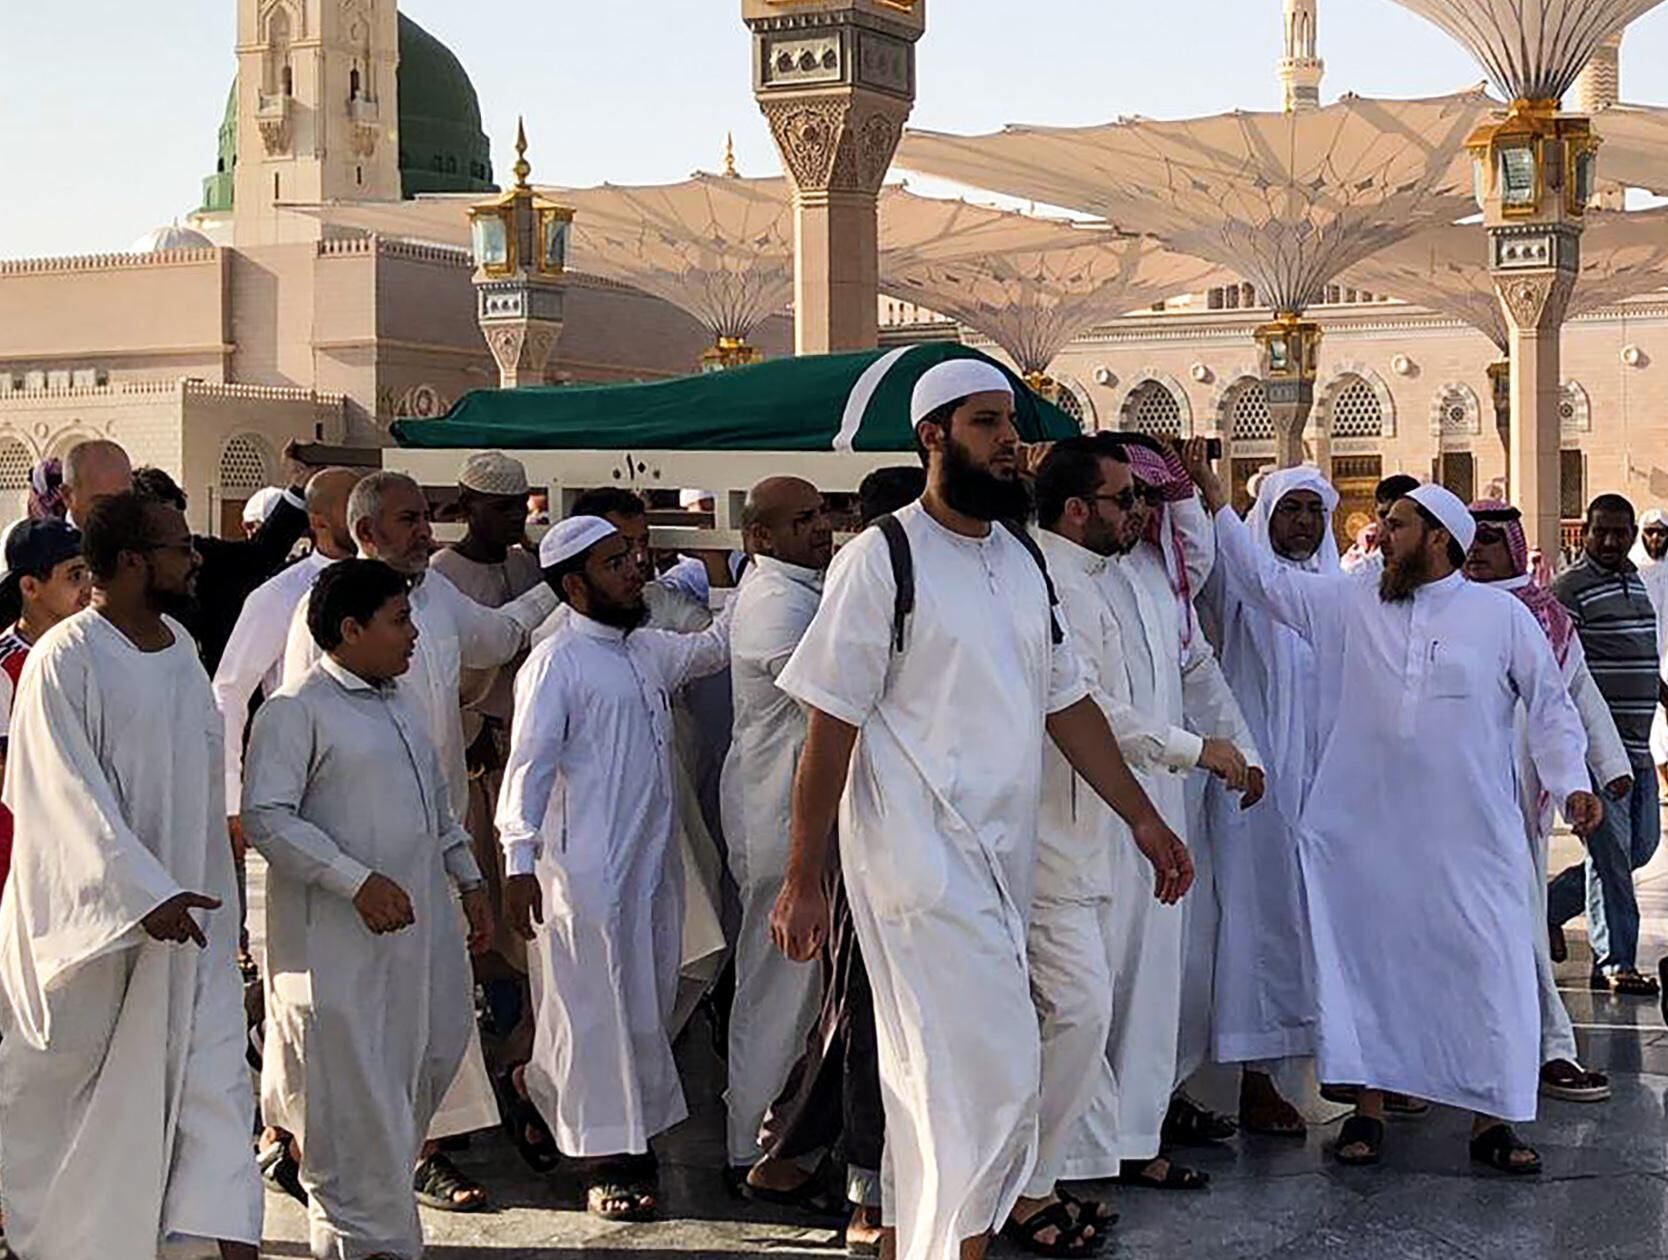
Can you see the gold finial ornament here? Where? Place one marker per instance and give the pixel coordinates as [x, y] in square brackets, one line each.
[522, 167]
[730, 155]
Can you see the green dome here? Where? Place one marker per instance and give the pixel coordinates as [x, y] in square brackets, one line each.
[442, 146]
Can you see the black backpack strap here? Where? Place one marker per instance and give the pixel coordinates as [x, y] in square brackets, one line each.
[903, 574]
[1023, 535]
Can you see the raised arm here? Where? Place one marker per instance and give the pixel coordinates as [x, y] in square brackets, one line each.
[490, 637]
[682, 658]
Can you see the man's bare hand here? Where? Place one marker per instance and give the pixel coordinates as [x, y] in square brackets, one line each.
[1172, 864]
[382, 905]
[1256, 784]
[1584, 812]
[1195, 457]
[523, 905]
[478, 910]
[1226, 762]
[1618, 789]
[234, 832]
[172, 921]
[1031, 456]
[799, 919]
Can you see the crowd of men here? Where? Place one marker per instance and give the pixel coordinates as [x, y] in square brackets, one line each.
[1046, 794]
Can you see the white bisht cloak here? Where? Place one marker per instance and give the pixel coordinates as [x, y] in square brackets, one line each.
[125, 1108]
[364, 1032]
[776, 999]
[1264, 998]
[938, 844]
[587, 807]
[454, 633]
[1420, 901]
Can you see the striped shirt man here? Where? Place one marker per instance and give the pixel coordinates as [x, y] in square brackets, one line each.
[1616, 620]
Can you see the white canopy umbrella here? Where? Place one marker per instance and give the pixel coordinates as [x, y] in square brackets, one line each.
[1030, 284]
[1634, 148]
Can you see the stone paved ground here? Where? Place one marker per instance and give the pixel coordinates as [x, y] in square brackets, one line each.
[1605, 1193]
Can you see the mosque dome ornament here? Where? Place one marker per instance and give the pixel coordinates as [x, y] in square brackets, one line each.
[168, 238]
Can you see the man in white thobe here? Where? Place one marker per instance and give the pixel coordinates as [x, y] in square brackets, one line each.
[1650, 557]
[347, 801]
[786, 528]
[595, 881]
[937, 719]
[1499, 557]
[1263, 1005]
[124, 1096]
[1088, 509]
[1173, 677]
[1412, 845]
[388, 516]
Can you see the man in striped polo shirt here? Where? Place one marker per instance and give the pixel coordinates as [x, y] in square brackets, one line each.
[1617, 623]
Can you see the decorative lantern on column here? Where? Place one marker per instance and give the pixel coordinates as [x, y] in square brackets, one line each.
[1288, 350]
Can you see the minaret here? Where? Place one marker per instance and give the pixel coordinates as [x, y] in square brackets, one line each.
[1598, 87]
[1300, 68]
[317, 109]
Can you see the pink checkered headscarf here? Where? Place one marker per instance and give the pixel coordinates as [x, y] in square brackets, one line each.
[1554, 618]
[1164, 471]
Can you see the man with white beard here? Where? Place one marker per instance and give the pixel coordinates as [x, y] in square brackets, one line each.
[388, 516]
[1263, 1009]
[1088, 511]
[929, 703]
[124, 1096]
[1412, 843]
[786, 528]
[1500, 558]
[1174, 678]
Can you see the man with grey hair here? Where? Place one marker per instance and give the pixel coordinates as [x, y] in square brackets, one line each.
[786, 530]
[388, 517]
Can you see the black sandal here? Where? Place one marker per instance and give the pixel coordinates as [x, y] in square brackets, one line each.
[438, 1182]
[1069, 1238]
[1132, 1173]
[521, 1117]
[812, 1197]
[1626, 983]
[1495, 1147]
[1186, 1123]
[1090, 1211]
[639, 1199]
[1360, 1131]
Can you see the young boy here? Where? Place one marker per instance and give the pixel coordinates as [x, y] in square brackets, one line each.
[45, 580]
[368, 1011]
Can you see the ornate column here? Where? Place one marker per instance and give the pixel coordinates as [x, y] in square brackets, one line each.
[1288, 349]
[520, 243]
[1534, 179]
[836, 82]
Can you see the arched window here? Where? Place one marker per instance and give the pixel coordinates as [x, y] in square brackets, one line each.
[1248, 415]
[16, 459]
[1457, 413]
[1356, 411]
[1152, 408]
[279, 78]
[1066, 400]
[1575, 410]
[245, 464]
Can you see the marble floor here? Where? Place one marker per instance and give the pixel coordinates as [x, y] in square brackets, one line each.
[1604, 1194]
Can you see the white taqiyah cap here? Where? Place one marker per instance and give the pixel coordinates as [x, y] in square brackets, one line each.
[952, 381]
[1653, 516]
[694, 498]
[260, 505]
[568, 538]
[1448, 508]
[493, 472]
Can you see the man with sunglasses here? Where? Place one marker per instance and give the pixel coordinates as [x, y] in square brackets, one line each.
[1499, 557]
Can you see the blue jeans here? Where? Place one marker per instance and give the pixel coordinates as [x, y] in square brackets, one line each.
[1624, 842]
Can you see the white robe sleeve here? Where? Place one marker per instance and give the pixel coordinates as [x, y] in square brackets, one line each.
[1209, 705]
[1198, 541]
[1557, 742]
[257, 644]
[841, 664]
[81, 880]
[1291, 596]
[276, 776]
[1606, 757]
[539, 734]
[1145, 740]
[301, 653]
[490, 637]
[682, 658]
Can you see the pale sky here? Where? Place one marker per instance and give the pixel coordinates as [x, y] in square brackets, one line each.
[109, 110]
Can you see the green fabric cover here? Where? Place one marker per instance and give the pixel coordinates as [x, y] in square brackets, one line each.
[784, 405]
